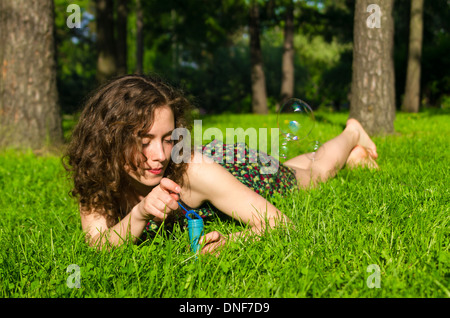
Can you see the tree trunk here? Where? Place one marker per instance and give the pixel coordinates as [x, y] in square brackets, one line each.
[106, 44]
[373, 91]
[287, 68]
[122, 52]
[139, 38]
[259, 94]
[412, 89]
[29, 108]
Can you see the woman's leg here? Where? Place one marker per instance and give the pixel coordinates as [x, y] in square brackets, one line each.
[334, 154]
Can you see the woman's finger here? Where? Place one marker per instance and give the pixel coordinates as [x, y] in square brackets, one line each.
[210, 237]
[169, 186]
[211, 242]
[168, 200]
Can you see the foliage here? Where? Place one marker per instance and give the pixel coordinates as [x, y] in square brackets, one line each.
[435, 80]
[203, 47]
[76, 55]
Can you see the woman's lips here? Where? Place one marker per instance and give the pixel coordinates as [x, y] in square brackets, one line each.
[155, 171]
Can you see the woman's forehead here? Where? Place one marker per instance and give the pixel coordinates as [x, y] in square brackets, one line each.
[163, 120]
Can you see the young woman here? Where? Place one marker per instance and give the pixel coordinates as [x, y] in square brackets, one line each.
[126, 183]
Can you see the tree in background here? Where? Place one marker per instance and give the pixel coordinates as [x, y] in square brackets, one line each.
[106, 42]
[287, 66]
[259, 94]
[29, 108]
[435, 63]
[122, 32]
[411, 102]
[373, 82]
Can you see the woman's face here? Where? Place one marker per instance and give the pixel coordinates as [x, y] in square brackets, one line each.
[157, 147]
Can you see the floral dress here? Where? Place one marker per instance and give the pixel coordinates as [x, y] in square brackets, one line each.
[260, 172]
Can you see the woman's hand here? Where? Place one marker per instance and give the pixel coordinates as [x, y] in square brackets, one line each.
[211, 242]
[160, 202]
[214, 241]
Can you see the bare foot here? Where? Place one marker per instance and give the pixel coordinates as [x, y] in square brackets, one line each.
[364, 139]
[359, 157]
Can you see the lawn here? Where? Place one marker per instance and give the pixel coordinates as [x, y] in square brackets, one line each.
[362, 234]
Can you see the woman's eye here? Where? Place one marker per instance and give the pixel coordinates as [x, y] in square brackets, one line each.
[145, 143]
[168, 141]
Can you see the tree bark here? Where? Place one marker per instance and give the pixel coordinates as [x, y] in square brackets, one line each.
[372, 99]
[29, 107]
[106, 44]
[259, 94]
[287, 67]
[411, 102]
[122, 52]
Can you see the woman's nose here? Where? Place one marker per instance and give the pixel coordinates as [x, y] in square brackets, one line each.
[156, 152]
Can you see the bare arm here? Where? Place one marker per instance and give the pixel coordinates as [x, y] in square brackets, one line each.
[161, 201]
[211, 182]
[99, 235]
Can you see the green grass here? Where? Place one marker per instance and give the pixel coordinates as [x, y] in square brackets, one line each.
[396, 218]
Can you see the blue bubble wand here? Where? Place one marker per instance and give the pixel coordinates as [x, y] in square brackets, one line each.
[195, 228]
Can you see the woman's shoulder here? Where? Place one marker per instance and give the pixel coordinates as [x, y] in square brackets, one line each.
[201, 175]
[198, 168]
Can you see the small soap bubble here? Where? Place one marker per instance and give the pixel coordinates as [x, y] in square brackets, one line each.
[313, 152]
[295, 121]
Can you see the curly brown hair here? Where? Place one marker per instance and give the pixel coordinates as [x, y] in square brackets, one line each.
[108, 137]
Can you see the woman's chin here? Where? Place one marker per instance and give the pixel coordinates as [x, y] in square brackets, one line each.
[148, 180]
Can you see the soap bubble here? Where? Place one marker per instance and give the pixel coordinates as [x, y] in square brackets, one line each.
[295, 122]
[292, 148]
[296, 119]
